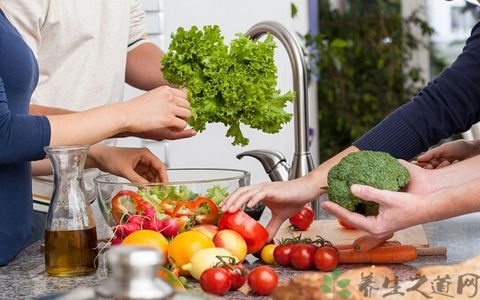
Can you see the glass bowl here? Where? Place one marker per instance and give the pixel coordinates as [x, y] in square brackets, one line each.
[198, 182]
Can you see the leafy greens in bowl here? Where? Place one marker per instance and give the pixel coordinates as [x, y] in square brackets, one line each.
[192, 195]
[233, 84]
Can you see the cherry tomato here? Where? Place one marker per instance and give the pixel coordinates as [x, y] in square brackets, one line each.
[302, 219]
[326, 258]
[345, 224]
[282, 253]
[263, 280]
[303, 256]
[238, 272]
[267, 253]
[216, 281]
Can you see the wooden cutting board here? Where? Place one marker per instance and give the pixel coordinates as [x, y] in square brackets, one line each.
[332, 231]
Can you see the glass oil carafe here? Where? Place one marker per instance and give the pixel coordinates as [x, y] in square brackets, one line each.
[70, 232]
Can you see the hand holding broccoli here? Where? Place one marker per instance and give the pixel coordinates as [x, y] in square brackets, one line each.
[376, 169]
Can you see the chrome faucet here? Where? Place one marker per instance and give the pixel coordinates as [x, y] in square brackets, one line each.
[273, 161]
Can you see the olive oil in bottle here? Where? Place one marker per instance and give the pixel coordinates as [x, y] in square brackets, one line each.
[70, 232]
[71, 252]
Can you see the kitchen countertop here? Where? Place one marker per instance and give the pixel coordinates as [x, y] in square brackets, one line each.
[25, 277]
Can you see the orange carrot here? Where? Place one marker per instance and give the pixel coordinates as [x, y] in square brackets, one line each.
[344, 246]
[351, 246]
[382, 255]
[368, 242]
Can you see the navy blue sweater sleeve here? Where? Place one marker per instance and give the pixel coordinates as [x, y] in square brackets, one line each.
[448, 105]
[22, 137]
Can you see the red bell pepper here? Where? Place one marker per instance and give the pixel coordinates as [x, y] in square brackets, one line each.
[124, 202]
[254, 233]
[192, 208]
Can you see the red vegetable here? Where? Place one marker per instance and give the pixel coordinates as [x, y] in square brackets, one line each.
[190, 208]
[216, 281]
[263, 280]
[170, 227]
[238, 273]
[326, 258]
[127, 202]
[345, 225]
[302, 219]
[154, 224]
[303, 256]
[254, 233]
[282, 253]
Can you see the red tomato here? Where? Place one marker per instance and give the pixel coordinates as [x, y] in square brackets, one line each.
[326, 258]
[254, 233]
[282, 253]
[263, 280]
[216, 281]
[303, 256]
[238, 272]
[345, 224]
[302, 219]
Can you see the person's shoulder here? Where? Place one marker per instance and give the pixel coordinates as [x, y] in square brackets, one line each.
[476, 29]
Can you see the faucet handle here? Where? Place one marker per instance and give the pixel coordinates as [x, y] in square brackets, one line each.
[273, 161]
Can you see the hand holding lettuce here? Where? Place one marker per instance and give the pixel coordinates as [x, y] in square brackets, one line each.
[232, 84]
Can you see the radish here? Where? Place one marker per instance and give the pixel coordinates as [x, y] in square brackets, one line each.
[131, 228]
[149, 212]
[135, 219]
[153, 224]
[170, 227]
[117, 240]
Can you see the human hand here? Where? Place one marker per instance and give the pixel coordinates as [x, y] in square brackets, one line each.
[283, 198]
[397, 210]
[166, 134]
[447, 154]
[161, 108]
[135, 164]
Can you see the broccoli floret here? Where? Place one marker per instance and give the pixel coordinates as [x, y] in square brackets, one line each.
[376, 169]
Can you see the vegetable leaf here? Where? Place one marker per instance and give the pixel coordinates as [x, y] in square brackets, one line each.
[217, 194]
[232, 85]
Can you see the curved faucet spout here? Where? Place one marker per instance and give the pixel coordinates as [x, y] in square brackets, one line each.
[299, 69]
[302, 162]
[272, 161]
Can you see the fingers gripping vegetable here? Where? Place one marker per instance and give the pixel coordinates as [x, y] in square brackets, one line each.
[127, 202]
[254, 233]
[376, 169]
[302, 219]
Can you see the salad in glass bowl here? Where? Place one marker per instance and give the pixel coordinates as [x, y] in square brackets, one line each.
[191, 197]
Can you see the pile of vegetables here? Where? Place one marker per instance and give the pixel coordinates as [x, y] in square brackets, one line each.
[232, 84]
[168, 210]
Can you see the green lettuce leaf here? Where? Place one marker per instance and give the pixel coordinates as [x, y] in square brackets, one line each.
[231, 85]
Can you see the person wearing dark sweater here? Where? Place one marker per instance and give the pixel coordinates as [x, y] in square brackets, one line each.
[448, 105]
[23, 137]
